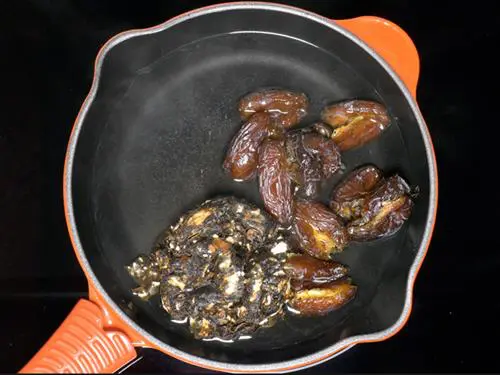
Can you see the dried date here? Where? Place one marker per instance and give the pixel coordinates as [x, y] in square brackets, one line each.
[319, 231]
[307, 272]
[286, 107]
[312, 158]
[275, 185]
[355, 122]
[384, 211]
[349, 195]
[242, 155]
[322, 300]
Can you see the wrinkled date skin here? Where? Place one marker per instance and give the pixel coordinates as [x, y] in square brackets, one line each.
[350, 194]
[384, 211]
[355, 122]
[275, 185]
[319, 231]
[242, 156]
[312, 158]
[305, 170]
[308, 272]
[286, 107]
[320, 301]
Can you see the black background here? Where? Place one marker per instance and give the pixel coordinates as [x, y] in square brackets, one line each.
[46, 66]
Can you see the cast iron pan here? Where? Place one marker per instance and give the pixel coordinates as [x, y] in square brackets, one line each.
[149, 142]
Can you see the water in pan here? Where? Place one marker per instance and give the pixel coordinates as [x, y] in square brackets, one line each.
[163, 147]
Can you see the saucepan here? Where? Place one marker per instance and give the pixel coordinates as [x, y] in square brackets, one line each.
[149, 141]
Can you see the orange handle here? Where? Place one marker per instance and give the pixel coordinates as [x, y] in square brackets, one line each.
[391, 43]
[82, 344]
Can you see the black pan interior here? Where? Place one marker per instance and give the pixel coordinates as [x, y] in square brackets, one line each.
[153, 140]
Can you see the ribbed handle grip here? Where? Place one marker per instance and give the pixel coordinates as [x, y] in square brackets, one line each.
[82, 345]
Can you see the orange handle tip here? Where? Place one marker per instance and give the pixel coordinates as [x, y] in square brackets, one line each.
[82, 344]
[390, 42]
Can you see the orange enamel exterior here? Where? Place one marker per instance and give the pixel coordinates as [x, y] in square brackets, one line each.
[82, 345]
[94, 337]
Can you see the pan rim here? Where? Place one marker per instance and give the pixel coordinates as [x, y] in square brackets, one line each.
[284, 366]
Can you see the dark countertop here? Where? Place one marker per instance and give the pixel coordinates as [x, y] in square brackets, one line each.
[48, 50]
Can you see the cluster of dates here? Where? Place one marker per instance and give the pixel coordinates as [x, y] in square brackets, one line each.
[371, 205]
[291, 164]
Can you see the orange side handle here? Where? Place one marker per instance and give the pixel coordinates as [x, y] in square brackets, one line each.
[391, 43]
[82, 344]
